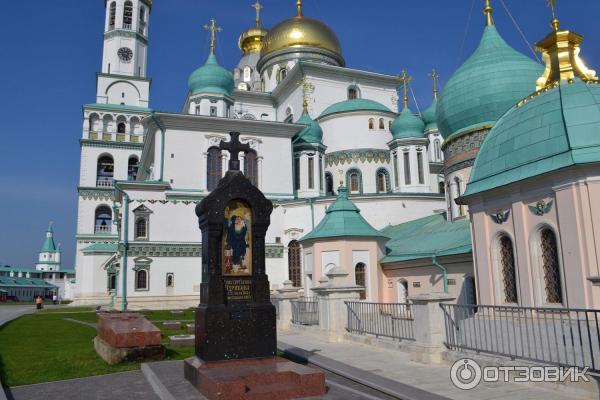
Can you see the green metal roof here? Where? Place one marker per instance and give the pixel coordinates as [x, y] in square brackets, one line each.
[354, 105]
[429, 117]
[491, 81]
[427, 237]
[407, 125]
[211, 78]
[312, 133]
[343, 219]
[102, 247]
[117, 107]
[555, 129]
[6, 281]
[49, 246]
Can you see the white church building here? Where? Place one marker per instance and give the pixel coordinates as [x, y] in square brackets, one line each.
[310, 120]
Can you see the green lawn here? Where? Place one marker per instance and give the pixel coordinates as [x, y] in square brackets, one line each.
[43, 347]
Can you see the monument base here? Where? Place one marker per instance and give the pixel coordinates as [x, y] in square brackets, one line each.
[271, 378]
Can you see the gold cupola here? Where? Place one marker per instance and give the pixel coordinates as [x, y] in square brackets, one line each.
[300, 32]
[251, 40]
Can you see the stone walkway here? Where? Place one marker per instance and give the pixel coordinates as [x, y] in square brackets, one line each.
[396, 365]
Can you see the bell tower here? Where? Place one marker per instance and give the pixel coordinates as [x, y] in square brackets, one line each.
[123, 80]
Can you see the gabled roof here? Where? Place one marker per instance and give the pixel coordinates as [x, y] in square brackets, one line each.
[6, 281]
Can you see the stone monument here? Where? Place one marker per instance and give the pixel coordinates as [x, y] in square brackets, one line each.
[236, 342]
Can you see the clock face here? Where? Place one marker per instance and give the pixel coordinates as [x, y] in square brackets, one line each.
[125, 54]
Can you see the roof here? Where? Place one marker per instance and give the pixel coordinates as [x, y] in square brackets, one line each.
[343, 219]
[118, 107]
[354, 105]
[211, 78]
[49, 246]
[313, 133]
[6, 281]
[428, 116]
[553, 130]
[427, 237]
[102, 247]
[407, 125]
[491, 81]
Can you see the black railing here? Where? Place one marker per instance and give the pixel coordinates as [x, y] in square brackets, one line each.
[305, 311]
[391, 320]
[557, 336]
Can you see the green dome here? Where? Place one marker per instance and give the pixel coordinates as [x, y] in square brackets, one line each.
[354, 105]
[429, 117]
[211, 78]
[491, 81]
[312, 133]
[554, 130]
[407, 125]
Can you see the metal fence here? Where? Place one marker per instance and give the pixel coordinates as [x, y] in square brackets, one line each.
[392, 320]
[305, 311]
[559, 336]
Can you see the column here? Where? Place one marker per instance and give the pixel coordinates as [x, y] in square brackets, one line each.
[287, 293]
[429, 326]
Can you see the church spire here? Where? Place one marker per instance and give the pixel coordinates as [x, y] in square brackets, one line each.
[213, 28]
[489, 13]
[299, 8]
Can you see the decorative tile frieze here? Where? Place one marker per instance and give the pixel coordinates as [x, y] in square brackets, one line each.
[105, 194]
[355, 156]
[464, 148]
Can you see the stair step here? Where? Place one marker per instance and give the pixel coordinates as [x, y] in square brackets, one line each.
[273, 391]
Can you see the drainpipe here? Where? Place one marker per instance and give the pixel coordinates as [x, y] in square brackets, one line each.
[312, 212]
[444, 272]
[162, 146]
[125, 223]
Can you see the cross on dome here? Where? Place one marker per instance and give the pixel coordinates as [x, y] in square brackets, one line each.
[212, 28]
[299, 8]
[406, 80]
[434, 77]
[489, 13]
[234, 147]
[257, 6]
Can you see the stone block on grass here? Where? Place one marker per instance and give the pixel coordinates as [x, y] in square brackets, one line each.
[191, 328]
[172, 325]
[182, 340]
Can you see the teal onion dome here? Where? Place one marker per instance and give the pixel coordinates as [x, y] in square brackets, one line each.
[211, 78]
[354, 105]
[555, 129]
[407, 125]
[429, 117]
[313, 133]
[490, 82]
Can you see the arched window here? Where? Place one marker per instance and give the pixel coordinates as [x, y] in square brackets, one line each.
[94, 123]
[381, 123]
[142, 19]
[420, 167]
[550, 266]
[128, 15]
[141, 228]
[112, 15]
[112, 281]
[170, 280]
[121, 127]
[506, 258]
[371, 123]
[352, 93]
[383, 179]
[294, 263]
[437, 150]
[141, 280]
[442, 188]
[407, 180]
[103, 220]
[289, 115]
[132, 168]
[213, 168]
[251, 167]
[107, 123]
[282, 74]
[105, 171]
[359, 278]
[402, 291]
[247, 74]
[329, 184]
[134, 126]
[353, 181]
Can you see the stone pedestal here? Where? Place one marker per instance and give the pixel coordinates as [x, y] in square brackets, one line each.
[429, 326]
[332, 292]
[127, 337]
[265, 379]
[286, 294]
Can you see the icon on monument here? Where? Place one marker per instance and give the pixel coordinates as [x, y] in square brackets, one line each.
[237, 239]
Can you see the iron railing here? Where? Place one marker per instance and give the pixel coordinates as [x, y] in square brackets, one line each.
[391, 320]
[557, 336]
[305, 311]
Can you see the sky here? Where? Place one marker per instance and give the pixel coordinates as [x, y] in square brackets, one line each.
[51, 52]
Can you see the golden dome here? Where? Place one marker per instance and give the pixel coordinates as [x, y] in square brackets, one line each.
[251, 40]
[300, 31]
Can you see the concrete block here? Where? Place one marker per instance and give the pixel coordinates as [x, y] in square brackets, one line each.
[173, 325]
[182, 340]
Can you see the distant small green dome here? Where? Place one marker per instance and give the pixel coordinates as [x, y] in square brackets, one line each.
[313, 133]
[491, 81]
[354, 105]
[211, 78]
[429, 117]
[407, 125]
[554, 130]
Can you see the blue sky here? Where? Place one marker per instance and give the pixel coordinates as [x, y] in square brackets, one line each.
[52, 50]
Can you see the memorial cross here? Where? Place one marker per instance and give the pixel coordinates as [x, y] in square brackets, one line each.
[234, 147]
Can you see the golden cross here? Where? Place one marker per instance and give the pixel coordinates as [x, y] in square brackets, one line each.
[212, 28]
[434, 76]
[307, 89]
[257, 6]
[405, 79]
[555, 21]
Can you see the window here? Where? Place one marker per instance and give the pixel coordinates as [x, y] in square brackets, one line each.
[198, 109]
[311, 172]
[371, 123]
[94, 123]
[406, 168]
[142, 24]
[297, 173]
[121, 124]
[213, 168]
[243, 86]
[247, 74]
[105, 171]
[132, 168]
[420, 167]
[437, 150]
[141, 280]
[550, 266]
[289, 115]
[383, 179]
[381, 123]
[141, 228]
[282, 74]
[354, 181]
[170, 279]
[103, 220]
[263, 86]
[329, 184]
[112, 16]
[396, 180]
[352, 93]
[359, 278]
[390, 125]
[213, 111]
[112, 281]
[442, 188]
[251, 167]
[320, 172]
[128, 15]
[134, 126]
[294, 266]
[507, 269]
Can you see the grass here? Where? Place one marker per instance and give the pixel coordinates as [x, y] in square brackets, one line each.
[43, 347]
